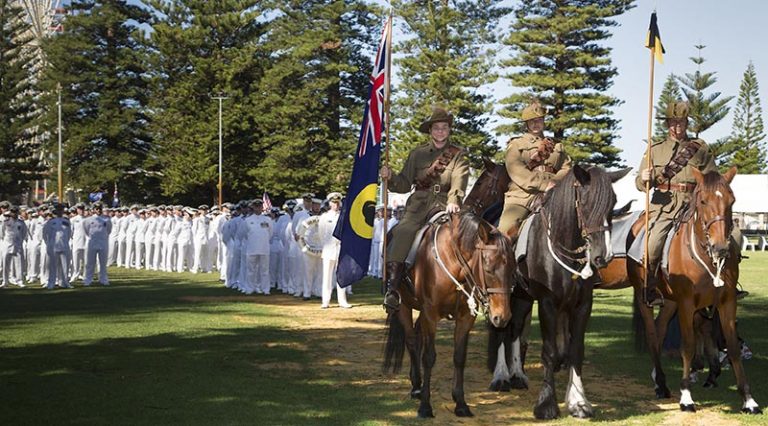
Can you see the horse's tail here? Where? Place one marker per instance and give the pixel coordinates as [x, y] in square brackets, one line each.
[638, 327]
[395, 346]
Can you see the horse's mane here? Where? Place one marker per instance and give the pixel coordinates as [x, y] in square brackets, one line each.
[560, 202]
[468, 233]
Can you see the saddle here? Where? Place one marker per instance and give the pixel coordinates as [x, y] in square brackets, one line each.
[637, 250]
[438, 218]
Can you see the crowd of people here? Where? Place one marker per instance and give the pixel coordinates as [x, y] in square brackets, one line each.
[291, 250]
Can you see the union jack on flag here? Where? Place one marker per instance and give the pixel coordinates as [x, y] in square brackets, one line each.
[355, 226]
[373, 119]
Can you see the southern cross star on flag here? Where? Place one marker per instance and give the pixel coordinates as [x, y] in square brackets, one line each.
[355, 227]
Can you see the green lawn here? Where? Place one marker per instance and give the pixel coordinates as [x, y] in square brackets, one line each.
[160, 348]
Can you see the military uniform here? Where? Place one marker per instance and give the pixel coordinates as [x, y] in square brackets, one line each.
[673, 188]
[331, 247]
[97, 230]
[57, 234]
[438, 177]
[529, 176]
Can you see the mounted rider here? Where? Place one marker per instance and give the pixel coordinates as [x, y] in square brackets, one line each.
[534, 164]
[437, 171]
[672, 160]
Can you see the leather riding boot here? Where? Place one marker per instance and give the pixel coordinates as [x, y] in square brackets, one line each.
[395, 273]
[652, 295]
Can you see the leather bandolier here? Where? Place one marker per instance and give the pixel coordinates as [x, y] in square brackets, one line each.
[679, 161]
[437, 168]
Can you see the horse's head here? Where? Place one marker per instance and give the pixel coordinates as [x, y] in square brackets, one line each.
[488, 189]
[581, 208]
[496, 261]
[712, 205]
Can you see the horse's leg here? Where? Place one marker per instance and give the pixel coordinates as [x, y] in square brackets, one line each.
[464, 324]
[685, 312]
[546, 407]
[653, 343]
[575, 398]
[428, 322]
[412, 344]
[522, 320]
[499, 344]
[563, 338]
[727, 312]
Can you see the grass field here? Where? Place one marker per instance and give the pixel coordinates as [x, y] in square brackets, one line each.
[160, 348]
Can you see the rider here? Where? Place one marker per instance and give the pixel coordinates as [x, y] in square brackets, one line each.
[438, 172]
[672, 160]
[534, 164]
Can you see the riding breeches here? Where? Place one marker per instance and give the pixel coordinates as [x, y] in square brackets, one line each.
[512, 216]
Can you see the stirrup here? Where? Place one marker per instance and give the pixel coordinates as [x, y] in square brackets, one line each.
[388, 305]
[658, 301]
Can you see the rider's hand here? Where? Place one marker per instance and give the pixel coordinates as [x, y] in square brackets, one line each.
[452, 208]
[550, 185]
[645, 175]
[385, 172]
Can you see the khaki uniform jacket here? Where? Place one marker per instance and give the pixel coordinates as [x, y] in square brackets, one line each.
[667, 203]
[453, 180]
[526, 183]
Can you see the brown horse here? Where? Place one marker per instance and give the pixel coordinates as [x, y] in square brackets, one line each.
[463, 267]
[703, 272]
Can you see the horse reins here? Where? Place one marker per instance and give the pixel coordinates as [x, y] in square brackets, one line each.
[476, 205]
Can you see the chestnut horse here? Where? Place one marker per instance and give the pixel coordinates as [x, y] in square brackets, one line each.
[463, 267]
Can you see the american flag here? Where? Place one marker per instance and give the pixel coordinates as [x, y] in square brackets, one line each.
[373, 119]
[266, 201]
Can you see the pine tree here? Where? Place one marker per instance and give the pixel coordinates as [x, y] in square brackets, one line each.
[18, 163]
[101, 66]
[201, 50]
[705, 109]
[747, 140]
[308, 104]
[444, 61]
[669, 93]
[559, 60]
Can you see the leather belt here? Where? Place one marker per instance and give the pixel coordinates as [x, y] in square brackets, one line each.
[436, 188]
[677, 187]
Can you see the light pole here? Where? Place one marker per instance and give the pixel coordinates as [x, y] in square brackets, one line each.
[61, 184]
[220, 99]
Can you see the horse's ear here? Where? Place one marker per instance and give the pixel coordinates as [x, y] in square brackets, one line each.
[618, 174]
[697, 175]
[728, 176]
[484, 232]
[582, 176]
[488, 163]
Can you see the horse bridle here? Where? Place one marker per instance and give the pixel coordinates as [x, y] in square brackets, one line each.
[708, 224]
[476, 205]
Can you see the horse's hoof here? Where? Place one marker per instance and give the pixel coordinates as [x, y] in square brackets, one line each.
[518, 382]
[581, 410]
[710, 384]
[416, 394]
[688, 408]
[499, 386]
[752, 410]
[663, 393]
[546, 411]
[463, 411]
[425, 413]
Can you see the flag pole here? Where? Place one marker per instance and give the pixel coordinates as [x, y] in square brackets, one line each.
[648, 166]
[385, 182]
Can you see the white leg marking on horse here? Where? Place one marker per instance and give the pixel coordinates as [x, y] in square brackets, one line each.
[751, 404]
[653, 377]
[685, 397]
[517, 364]
[574, 395]
[719, 194]
[608, 248]
[501, 372]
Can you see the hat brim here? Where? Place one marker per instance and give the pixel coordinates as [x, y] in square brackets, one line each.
[424, 127]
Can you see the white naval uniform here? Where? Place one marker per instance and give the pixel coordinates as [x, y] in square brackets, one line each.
[113, 240]
[258, 233]
[130, 239]
[313, 263]
[97, 230]
[275, 255]
[169, 244]
[13, 232]
[200, 226]
[217, 227]
[78, 247]
[139, 247]
[149, 242]
[228, 241]
[157, 243]
[331, 247]
[299, 267]
[283, 227]
[235, 267]
[57, 233]
[183, 237]
[34, 247]
[374, 263]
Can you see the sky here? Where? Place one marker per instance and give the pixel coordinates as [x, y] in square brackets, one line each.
[733, 31]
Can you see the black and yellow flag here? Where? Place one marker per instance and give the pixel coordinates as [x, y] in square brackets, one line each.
[653, 40]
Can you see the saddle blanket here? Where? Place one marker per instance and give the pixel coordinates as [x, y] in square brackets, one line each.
[521, 246]
[440, 217]
[620, 230]
[637, 250]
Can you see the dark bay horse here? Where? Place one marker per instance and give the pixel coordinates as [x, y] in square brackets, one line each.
[569, 236]
[463, 267]
[703, 272]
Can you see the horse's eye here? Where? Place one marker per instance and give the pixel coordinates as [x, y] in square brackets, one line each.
[703, 202]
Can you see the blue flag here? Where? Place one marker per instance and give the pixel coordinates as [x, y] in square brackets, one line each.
[355, 226]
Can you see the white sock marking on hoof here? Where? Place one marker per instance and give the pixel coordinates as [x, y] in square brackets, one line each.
[685, 397]
[517, 363]
[751, 404]
[501, 372]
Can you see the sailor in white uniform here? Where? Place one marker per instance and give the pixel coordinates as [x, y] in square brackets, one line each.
[97, 230]
[331, 247]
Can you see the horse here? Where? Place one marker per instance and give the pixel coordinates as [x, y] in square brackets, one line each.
[557, 272]
[463, 266]
[703, 272]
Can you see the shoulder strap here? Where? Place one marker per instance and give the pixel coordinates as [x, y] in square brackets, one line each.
[680, 160]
